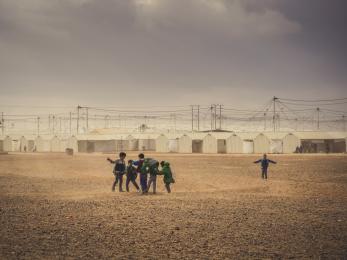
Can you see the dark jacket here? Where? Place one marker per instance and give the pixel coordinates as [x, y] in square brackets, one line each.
[131, 172]
[265, 162]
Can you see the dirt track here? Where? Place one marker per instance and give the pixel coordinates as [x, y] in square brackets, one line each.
[55, 206]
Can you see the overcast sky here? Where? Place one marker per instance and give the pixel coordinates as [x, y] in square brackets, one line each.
[171, 52]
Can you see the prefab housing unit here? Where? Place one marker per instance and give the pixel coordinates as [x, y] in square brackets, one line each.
[55, 144]
[323, 142]
[72, 143]
[173, 145]
[185, 144]
[210, 144]
[7, 144]
[234, 144]
[133, 143]
[24, 144]
[162, 144]
[42, 144]
[261, 144]
[147, 142]
[290, 143]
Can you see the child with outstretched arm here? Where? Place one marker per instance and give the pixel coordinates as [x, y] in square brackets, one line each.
[166, 171]
[264, 165]
[118, 171]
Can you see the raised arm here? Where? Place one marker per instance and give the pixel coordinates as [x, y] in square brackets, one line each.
[111, 161]
[272, 162]
[257, 161]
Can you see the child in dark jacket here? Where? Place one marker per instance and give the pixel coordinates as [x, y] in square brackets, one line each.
[264, 165]
[118, 171]
[153, 172]
[166, 171]
[142, 172]
[131, 176]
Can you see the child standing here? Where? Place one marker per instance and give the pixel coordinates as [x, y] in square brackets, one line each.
[166, 171]
[153, 172]
[118, 171]
[131, 176]
[142, 172]
[264, 165]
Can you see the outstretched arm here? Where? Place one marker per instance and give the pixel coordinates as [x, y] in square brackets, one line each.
[108, 159]
[257, 161]
[272, 162]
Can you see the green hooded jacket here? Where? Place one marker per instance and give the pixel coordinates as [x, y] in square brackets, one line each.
[166, 171]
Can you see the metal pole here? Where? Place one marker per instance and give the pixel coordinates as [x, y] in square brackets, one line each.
[192, 118]
[60, 125]
[264, 121]
[53, 118]
[78, 118]
[211, 117]
[274, 115]
[198, 117]
[87, 119]
[2, 123]
[220, 117]
[38, 126]
[215, 117]
[49, 123]
[70, 128]
[318, 117]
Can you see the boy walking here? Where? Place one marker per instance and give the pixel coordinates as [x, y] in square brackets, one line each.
[153, 172]
[264, 165]
[166, 171]
[118, 171]
[131, 176]
[142, 171]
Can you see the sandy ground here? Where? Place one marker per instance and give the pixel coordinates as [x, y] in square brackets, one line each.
[56, 206]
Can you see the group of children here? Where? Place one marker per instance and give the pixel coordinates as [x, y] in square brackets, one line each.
[142, 168]
[147, 166]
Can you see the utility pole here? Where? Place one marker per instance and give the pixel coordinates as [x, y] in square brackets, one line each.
[318, 110]
[198, 117]
[49, 123]
[38, 126]
[87, 119]
[220, 117]
[274, 115]
[70, 121]
[2, 123]
[215, 117]
[211, 117]
[53, 119]
[78, 118]
[192, 117]
[60, 125]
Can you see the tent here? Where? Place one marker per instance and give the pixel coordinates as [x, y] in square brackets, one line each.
[261, 144]
[24, 144]
[72, 143]
[42, 144]
[185, 144]
[210, 144]
[133, 144]
[234, 144]
[7, 144]
[162, 144]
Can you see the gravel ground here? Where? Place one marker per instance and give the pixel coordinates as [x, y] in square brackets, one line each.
[55, 206]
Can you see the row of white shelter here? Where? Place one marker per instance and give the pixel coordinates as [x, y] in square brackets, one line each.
[215, 142]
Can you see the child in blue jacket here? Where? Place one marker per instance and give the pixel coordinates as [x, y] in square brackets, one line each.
[264, 165]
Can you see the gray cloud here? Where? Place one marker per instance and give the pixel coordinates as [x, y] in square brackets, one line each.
[88, 51]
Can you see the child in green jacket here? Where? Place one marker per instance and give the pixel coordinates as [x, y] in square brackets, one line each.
[166, 171]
